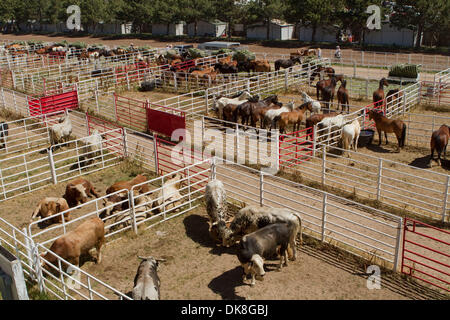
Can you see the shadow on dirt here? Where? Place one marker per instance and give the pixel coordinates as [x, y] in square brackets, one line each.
[197, 229]
[390, 280]
[225, 284]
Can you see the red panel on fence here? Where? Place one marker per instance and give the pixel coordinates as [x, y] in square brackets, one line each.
[114, 139]
[426, 253]
[54, 103]
[165, 123]
[166, 163]
[296, 147]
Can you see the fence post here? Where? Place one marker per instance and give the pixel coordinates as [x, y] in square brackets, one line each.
[404, 103]
[444, 206]
[37, 267]
[324, 167]
[261, 188]
[115, 107]
[203, 130]
[237, 143]
[175, 83]
[206, 100]
[314, 140]
[132, 210]
[213, 168]
[52, 166]
[86, 118]
[324, 214]
[367, 88]
[397, 243]
[278, 146]
[29, 253]
[362, 57]
[286, 79]
[155, 148]
[380, 175]
[125, 149]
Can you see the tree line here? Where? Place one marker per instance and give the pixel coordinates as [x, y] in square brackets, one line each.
[420, 15]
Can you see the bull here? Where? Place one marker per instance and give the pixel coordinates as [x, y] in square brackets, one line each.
[263, 244]
[146, 281]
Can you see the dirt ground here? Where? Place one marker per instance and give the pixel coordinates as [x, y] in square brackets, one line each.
[197, 269]
[162, 44]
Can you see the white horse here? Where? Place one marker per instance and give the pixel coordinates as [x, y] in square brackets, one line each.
[315, 104]
[328, 127]
[218, 104]
[350, 136]
[273, 113]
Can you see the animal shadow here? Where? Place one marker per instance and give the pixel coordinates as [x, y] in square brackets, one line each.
[423, 162]
[197, 229]
[225, 284]
[378, 148]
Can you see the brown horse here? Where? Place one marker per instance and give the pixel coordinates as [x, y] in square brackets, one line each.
[315, 119]
[259, 112]
[320, 85]
[393, 97]
[439, 140]
[328, 92]
[329, 71]
[342, 96]
[294, 117]
[378, 95]
[396, 126]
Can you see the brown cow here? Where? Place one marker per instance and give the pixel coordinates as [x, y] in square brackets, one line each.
[78, 190]
[50, 206]
[75, 243]
[121, 185]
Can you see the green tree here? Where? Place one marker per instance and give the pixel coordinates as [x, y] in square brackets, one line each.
[315, 12]
[422, 15]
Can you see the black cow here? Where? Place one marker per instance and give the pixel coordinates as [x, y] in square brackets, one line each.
[3, 133]
[263, 244]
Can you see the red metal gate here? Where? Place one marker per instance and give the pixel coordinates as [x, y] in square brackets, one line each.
[296, 147]
[113, 140]
[53, 103]
[165, 121]
[426, 253]
[184, 157]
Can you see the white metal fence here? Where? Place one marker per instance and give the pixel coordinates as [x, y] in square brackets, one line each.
[33, 170]
[364, 231]
[57, 283]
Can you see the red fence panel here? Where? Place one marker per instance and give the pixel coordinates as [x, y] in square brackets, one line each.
[53, 103]
[296, 147]
[114, 139]
[163, 122]
[185, 157]
[426, 253]
[131, 113]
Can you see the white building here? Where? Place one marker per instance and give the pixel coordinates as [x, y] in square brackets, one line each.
[208, 29]
[279, 30]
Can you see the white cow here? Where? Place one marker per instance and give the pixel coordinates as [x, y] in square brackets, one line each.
[146, 281]
[169, 195]
[91, 148]
[61, 131]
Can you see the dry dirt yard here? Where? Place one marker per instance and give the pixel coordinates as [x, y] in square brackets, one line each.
[198, 269]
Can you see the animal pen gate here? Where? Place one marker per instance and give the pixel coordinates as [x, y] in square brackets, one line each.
[53, 103]
[296, 147]
[426, 254]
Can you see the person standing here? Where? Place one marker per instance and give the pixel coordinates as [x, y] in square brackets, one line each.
[337, 54]
[319, 53]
